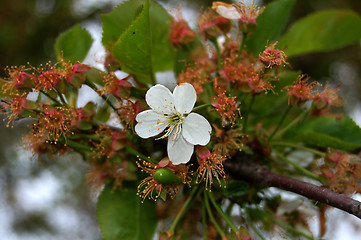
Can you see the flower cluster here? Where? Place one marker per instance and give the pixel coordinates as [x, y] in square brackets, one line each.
[231, 106]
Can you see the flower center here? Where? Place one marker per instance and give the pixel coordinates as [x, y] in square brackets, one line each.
[175, 125]
[176, 119]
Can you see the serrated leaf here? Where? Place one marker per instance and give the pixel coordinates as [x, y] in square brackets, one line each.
[144, 47]
[327, 132]
[118, 20]
[73, 45]
[270, 25]
[322, 31]
[121, 215]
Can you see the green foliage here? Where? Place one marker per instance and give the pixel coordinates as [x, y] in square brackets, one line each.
[142, 46]
[270, 25]
[322, 31]
[73, 45]
[118, 20]
[237, 188]
[326, 132]
[273, 104]
[121, 215]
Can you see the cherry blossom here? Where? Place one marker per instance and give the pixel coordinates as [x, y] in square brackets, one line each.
[171, 113]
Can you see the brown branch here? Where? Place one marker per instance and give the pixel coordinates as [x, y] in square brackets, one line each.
[243, 169]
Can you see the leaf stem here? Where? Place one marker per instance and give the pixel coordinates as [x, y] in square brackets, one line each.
[46, 94]
[210, 214]
[280, 122]
[92, 86]
[204, 223]
[183, 209]
[287, 227]
[218, 51]
[293, 145]
[244, 36]
[294, 122]
[61, 96]
[134, 152]
[298, 167]
[247, 114]
[223, 215]
[252, 225]
[201, 106]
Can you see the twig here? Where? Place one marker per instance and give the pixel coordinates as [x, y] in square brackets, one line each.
[240, 168]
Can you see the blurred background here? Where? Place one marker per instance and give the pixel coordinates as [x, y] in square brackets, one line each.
[47, 198]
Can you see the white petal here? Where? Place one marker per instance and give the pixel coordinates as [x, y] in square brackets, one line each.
[179, 150]
[185, 97]
[196, 129]
[228, 12]
[150, 123]
[160, 99]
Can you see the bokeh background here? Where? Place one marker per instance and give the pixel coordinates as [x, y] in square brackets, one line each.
[47, 198]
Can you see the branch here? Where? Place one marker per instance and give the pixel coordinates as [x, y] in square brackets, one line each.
[240, 168]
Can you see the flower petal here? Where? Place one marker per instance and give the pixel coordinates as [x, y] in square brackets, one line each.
[150, 123]
[160, 99]
[185, 97]
[196, 129]
[179, 150]
[229, 12]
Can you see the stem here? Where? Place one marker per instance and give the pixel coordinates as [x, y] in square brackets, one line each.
[247, 113]
[92, 86]
[288, 227]
[183, 210]
[61, 97]
[218, 51]
[134, 152]
[252, 225]
[210, 214]
[75, 145]
[242, 169]
[294, 122]
[292, 145]
[201, 106]
[223, 215]
[299, 168]
[46, 94]
[244, 36]
[280, 122]
[204, 223]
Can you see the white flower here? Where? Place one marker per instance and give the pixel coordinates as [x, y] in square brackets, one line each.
[172, 113]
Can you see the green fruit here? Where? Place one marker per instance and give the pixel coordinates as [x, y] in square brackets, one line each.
[166, 176]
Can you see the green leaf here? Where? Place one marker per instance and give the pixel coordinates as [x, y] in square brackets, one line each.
[118, 20]
[73, 45]
[322, 31]
[95, 76]
[121, 215]
[272, 105]
[144, 47]
[327, 132]
[237, 188]
[102, 115]
[270, 25]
